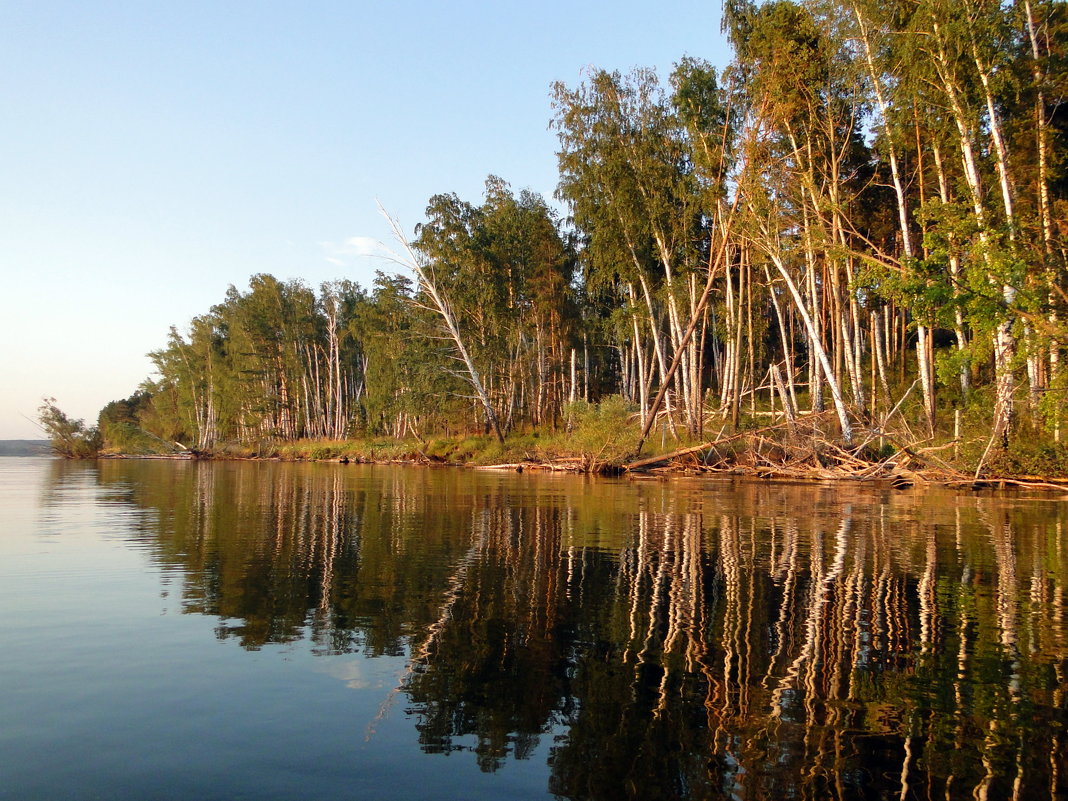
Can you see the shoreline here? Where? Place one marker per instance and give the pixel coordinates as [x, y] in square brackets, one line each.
[903, 470]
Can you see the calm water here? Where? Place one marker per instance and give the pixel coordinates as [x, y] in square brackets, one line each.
[276, 631]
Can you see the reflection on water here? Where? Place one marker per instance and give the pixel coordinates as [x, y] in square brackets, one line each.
[667, 639]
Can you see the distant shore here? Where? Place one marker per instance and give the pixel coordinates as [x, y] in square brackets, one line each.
[25, 447]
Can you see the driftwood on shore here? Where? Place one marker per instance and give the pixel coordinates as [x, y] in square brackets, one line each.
[563, 464]
[704, 446]
[812, 456]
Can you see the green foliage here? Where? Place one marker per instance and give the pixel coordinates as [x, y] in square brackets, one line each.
[1030, 456]
[606, 431]
[628, 158]
[120, 425]
[71, 439]
[129, 438]
[949, 363]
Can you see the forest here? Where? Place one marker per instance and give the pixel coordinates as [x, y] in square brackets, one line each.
[861, 222]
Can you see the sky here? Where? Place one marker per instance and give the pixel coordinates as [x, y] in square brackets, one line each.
[153, 154]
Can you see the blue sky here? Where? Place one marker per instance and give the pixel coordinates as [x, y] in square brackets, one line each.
[152, 154]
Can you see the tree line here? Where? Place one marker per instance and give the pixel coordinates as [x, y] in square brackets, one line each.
[864, 213]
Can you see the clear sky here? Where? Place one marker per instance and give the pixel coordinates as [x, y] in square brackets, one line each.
[152, 154]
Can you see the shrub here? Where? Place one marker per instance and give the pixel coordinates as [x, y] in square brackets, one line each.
[71, 439]
[603, 431]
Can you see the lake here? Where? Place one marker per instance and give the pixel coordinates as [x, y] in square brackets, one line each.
[234, 630]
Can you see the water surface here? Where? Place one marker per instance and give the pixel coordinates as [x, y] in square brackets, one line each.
[276, 631]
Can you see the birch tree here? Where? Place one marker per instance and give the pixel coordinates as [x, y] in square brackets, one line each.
[437, 301]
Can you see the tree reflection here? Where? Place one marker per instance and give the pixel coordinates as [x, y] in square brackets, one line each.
[660, 640]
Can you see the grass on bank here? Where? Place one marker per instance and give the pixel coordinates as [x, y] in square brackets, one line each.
[604, 432]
